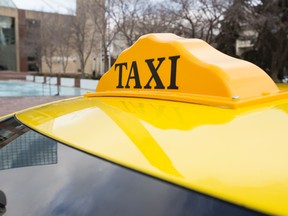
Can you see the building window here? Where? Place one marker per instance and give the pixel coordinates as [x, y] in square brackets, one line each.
[7, 43]
[7, 34]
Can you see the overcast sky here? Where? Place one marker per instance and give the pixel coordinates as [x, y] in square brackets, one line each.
[60, 6]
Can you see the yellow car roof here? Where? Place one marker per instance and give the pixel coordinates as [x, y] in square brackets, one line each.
[237, 155]
[201, 138]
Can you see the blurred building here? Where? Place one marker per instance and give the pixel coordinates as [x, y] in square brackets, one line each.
[20, 38]
[15, 27]
[245, 41]
[9, 59]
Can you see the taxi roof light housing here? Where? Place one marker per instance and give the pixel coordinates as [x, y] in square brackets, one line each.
[169, 67]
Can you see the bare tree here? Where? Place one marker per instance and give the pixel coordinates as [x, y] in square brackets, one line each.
[154, 18]
[100, 13]
[126, 14]
[63, 36]
[271, 21]
[213, 11]
[235, 19]
[134, 18]
[197, 18]
[84, 33]
[48, 38]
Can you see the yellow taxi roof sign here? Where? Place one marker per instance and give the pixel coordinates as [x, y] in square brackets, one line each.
[169, 67]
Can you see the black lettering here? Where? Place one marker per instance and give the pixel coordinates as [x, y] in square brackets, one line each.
[134, 69]
[173, 72]
[120, 65]
[154, 74]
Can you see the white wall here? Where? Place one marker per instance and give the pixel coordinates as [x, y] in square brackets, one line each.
[88, 84]
[68, 82]
[39, 79]
[29, 78]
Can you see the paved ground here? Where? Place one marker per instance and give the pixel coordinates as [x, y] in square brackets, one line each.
[12, 104]
[4, 75]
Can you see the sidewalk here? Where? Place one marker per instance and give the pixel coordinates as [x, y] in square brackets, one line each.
[5, 75]
[12, 104]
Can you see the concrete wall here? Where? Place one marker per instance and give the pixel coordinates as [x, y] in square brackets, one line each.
[30, 78]
[69, 82]
[88, 84]
[38, 79]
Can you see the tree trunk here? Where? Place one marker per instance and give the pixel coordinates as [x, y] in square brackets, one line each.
[275, 71]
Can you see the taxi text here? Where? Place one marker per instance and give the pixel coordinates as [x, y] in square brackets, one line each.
[134, 73]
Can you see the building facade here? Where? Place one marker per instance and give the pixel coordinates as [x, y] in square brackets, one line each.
[9, 40]
[20, 43]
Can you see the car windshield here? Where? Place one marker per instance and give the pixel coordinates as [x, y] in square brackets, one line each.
[40, 176]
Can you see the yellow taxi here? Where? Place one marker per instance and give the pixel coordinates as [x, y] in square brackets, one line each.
[174, 128]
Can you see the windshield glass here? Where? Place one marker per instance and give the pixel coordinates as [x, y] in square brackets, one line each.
[40, 176]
